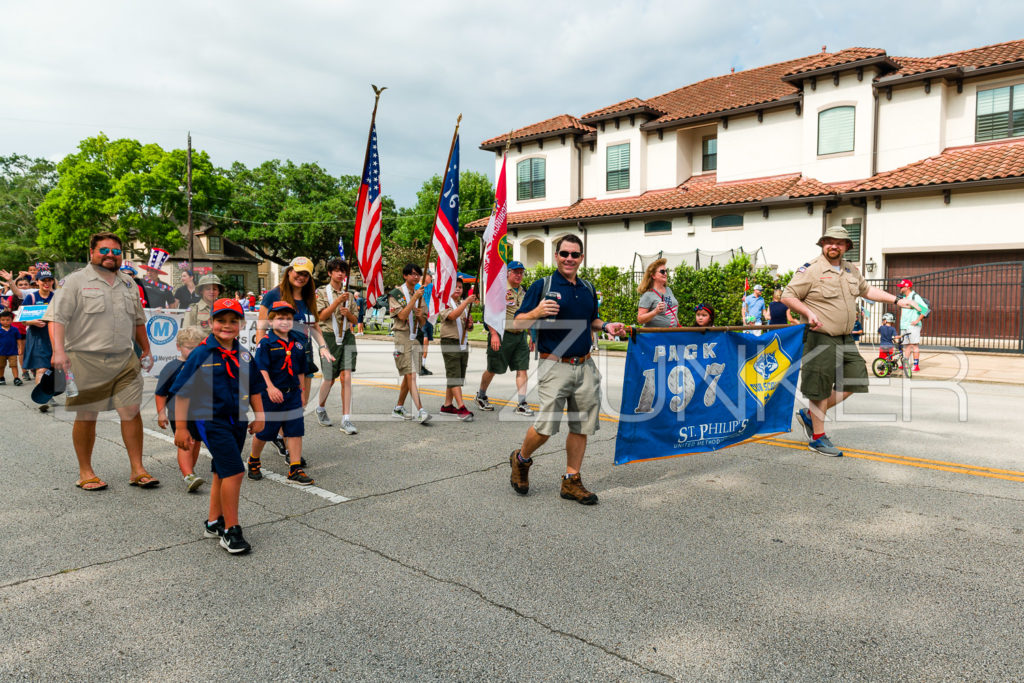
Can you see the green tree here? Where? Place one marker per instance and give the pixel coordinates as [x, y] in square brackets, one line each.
[24, 183]
[126, 187]
[281, 210]
[416, 223]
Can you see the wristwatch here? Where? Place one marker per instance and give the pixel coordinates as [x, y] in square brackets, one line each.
[604, 327]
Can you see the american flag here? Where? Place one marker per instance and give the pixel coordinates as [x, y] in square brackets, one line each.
[446, 232]
[368, 220]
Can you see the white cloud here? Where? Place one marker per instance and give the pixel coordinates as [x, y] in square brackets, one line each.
[256, 80]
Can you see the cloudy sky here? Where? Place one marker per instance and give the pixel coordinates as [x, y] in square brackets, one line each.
[289, 79]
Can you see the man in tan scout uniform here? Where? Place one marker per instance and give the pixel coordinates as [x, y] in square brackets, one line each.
[198, 314]
[512, 350]
[96, 315]
[824, 292]
[409, 313]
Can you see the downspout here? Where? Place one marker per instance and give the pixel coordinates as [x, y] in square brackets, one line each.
[579, 168]
[874, 135]
[582, 228]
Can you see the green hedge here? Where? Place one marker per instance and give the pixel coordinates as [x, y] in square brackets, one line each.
[720, 286]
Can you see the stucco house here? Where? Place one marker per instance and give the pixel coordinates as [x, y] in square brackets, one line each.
[921, 159]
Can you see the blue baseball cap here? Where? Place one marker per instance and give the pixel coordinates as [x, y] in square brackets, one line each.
[515, 265]
[128, 269]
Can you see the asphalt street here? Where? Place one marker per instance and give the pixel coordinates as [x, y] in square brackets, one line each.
[412, 558]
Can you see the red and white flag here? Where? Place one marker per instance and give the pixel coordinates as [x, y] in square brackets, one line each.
[495, 276]
[368, 222]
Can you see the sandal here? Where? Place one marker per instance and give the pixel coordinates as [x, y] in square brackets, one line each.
[144, 481]
[94, 484]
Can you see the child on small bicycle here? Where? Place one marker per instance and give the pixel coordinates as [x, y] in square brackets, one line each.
[886, 336]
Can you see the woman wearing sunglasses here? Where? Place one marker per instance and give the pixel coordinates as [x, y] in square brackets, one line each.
[658, 306]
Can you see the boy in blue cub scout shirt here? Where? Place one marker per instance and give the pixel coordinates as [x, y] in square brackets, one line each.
[281, 359]
[210, 389]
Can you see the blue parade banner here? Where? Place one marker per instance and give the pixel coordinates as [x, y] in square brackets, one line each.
[694, 392]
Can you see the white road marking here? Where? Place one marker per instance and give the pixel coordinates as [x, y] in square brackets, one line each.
[267, 474]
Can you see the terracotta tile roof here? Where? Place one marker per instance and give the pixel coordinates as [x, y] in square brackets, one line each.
[989, 55]
[633, 104]
[721, 93]
[955, 165]
[846, 56]
[522, 218]
[698, 192]
[563, 123]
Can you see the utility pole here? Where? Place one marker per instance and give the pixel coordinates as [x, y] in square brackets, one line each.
[188, 188]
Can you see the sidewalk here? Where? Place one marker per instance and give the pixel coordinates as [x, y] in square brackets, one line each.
[998, 368]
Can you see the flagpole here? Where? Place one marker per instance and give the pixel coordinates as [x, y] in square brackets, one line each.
[366, 159]
[440, 195]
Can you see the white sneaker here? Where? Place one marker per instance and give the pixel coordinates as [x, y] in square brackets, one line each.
[523, 409]
[401, 413]
[321, 417]
[192, 482]
[423, 416]
[348, 427]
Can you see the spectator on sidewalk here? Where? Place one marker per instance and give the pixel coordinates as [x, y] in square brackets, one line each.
[12, 345]
[658, 306]
[912, 321]
[38, 348]
[187, 294]
[96, 316]
[778, 312]
[753, 308]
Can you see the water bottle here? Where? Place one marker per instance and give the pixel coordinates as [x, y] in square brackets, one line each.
[551, 296]
[71, 389]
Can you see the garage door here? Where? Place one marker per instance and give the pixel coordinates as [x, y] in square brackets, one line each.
[911, 265]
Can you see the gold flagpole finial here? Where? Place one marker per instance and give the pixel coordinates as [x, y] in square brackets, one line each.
[508, 142]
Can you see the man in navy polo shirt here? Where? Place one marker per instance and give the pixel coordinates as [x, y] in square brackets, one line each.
[565, 311]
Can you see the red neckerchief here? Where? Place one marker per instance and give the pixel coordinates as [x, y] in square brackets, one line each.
[227, 356]
[287, 364]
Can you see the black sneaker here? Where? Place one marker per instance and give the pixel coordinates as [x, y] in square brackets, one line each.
[424, 372]
[213, 530]
[234, 542]
[18, 382]
[297, 476]
[253, 468]
[279, 445]
[3, 381]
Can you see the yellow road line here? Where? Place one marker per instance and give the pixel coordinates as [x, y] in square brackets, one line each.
[773, 440]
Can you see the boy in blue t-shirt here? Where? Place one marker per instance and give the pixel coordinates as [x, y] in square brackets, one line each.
[281, 359]
[217, 378]
[188, 338]
[12, 345]
[886, 336]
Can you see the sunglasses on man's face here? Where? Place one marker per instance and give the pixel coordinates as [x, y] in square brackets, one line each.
[570, 254]
[107, 250]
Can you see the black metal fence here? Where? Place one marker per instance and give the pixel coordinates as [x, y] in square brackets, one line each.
[974, 308]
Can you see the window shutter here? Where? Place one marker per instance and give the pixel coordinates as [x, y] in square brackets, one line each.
[993, 119]
[618, 167]
[530, 179]
[836, 130]
[853, 228]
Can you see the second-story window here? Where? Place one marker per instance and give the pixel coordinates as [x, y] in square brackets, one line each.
[835, 130]
[618, 167]
[215, 244]
[1000, 113]
[530, 179]
[709, 153]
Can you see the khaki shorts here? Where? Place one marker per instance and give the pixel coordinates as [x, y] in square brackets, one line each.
[455, 362]
[514, 353]
[344, 355]
[913, 335]
[8, 360]
[562, 385]
[408, 354]
[106, 381]
[831, 362]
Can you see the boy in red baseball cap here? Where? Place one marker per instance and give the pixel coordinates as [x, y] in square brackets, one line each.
[211, 390]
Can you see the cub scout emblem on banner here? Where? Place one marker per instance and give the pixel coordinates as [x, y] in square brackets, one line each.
[762, 373]
[695, 392]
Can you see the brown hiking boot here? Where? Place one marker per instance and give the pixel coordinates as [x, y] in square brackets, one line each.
[520, 478]
[572, 489]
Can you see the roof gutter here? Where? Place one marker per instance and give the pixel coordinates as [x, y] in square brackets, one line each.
[881, 60]
[536, 136]
[937, 187]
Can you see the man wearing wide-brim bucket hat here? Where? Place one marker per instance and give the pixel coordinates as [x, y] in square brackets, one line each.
[824, 292]
[210, 289]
